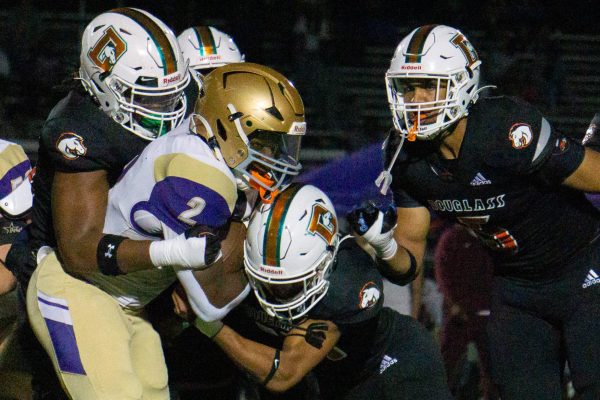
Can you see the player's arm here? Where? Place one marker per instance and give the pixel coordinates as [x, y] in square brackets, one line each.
[410, 234]
[586, 177]
[7, 279]
[280, 370]
[79, 202]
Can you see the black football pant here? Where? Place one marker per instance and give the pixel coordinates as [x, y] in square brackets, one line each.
[411, 368]
[535, 327]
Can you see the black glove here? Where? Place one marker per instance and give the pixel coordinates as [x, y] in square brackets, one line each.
[214, 237]
[375, 226]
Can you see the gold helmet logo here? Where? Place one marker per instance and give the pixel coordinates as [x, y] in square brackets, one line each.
[107, 50]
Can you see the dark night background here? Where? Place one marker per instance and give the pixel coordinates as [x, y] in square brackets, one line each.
[336, 52]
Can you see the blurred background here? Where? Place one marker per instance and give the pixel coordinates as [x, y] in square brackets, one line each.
[336, 52]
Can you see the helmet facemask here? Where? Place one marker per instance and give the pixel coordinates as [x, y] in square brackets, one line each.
[253, 118]
[449, 104]
[148, 111]
[272, 162]
[291, 299]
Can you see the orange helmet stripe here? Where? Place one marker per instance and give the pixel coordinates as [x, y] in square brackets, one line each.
[417, 42]
[165, 50]
[206, 40]
[274, 226]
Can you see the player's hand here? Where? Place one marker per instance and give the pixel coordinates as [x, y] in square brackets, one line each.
[181, 305]
[197, 248]
[213, 238]
[376, 226]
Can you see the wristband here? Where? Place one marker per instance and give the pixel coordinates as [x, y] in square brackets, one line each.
[106, 255]
[405, 278]
[274, 368]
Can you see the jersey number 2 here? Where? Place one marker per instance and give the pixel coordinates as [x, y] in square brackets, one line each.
[196, 206]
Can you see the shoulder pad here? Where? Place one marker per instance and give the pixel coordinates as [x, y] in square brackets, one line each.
[511, 134]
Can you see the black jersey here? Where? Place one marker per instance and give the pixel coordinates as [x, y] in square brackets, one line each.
[354, 302]
[505, 186]
[77, 137]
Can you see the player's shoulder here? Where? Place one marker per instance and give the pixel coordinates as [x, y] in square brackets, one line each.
[356, 288]
[12, 151]
[184, 159]
[79, 136]
[509, 132]
[77, 114]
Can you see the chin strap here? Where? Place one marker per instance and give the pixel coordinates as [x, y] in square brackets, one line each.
[384, 180]
[267, 196]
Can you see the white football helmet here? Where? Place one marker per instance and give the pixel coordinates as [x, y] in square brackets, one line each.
[16, 197]
[254, 117]
[207, 48]
[289, 250]
[132, 65]
[445, 56]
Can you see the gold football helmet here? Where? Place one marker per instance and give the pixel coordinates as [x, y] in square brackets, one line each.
[253, 117]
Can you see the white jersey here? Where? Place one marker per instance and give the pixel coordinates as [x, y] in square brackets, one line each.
[175, 183]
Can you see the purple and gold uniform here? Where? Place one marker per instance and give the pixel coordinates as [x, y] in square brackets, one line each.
[94, 326]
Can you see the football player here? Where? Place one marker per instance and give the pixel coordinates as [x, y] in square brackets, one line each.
[182, 187]
[319, 306]
[16, 200]
[204, 48]
[496, 165]
[207, 48]
[129, 91]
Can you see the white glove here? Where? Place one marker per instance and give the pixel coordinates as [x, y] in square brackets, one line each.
[376, 227]
[198, 252]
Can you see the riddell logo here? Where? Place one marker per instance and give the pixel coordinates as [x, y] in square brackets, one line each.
[213, 57]
[271, 271]
[172, 79]
[298, 128]
[411, 67]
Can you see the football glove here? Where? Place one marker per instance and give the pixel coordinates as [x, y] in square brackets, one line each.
[592, 137]
[197, 248]
[376, 227]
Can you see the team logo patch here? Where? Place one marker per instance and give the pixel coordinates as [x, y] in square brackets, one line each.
[107, 50]
[561, 145]
[71, 146]
[520, 136]
[369, 295]
[322, 223]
